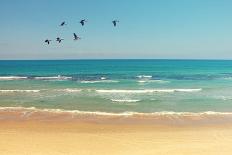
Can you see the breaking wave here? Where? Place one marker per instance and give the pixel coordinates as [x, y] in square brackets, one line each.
[147, 90]
[12, 77]
[127, 113]
[18, 90]
[100, 81]
[59, 77]
[122, 100]
[72, 90]
[69, 90]
[144, 76]
[152, 81]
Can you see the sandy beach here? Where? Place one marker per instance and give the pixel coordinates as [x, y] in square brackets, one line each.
[58, 138]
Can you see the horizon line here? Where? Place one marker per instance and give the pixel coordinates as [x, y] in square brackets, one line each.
[112, 59]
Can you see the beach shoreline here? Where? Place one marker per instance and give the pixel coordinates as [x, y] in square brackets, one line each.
[158, 118]
[31, 131]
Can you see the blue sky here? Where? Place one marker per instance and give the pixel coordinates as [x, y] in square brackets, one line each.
[177, 29]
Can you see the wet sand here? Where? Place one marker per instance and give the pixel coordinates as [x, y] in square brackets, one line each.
[34, 137]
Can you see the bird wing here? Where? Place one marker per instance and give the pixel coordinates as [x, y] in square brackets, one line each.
[82, 22]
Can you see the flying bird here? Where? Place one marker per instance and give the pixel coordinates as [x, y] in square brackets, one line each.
[76, 37]
[83, 22]
[115, 22]
[47, 41]
[59, 39]
[63, 23]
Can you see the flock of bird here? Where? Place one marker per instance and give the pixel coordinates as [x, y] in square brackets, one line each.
[82, 22]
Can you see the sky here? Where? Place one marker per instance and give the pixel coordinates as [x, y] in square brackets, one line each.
[148, 29]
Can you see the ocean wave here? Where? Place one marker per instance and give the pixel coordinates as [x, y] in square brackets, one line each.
[224, 98]
[152, 81]
[126, 113]
[146, 90]
[144, 76]
[100, 81]
[18, 90]
[103, 90]
[103, 78]
[72, 90]
[124, 100]
[13, 77]
[59, 77]
[227, 78]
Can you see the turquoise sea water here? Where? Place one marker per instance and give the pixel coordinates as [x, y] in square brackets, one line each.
[118, 86]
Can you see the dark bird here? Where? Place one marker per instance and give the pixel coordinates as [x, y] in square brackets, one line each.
[47, 41]
[63, 23]
[83, 22]
[76, 37]
[59, 39]
[115, 22]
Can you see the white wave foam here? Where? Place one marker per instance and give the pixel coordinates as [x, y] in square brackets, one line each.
[144, 76]
[225, 98]
[59, 77]
[227, 78]
[142, 81]
[12, 77]
[146, 90]
[100, 81]
[103, 78]
[153, 81]
[117, 100]
[127, 113]
[19, 90]
[70, 90]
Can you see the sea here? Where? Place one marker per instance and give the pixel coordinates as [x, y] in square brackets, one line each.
[118, 87]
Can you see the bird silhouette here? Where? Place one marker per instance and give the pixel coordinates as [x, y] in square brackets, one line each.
[59, 39]
[83, 22]
[115, 22]
[76, 37]
[47, 41]
[63, 23]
